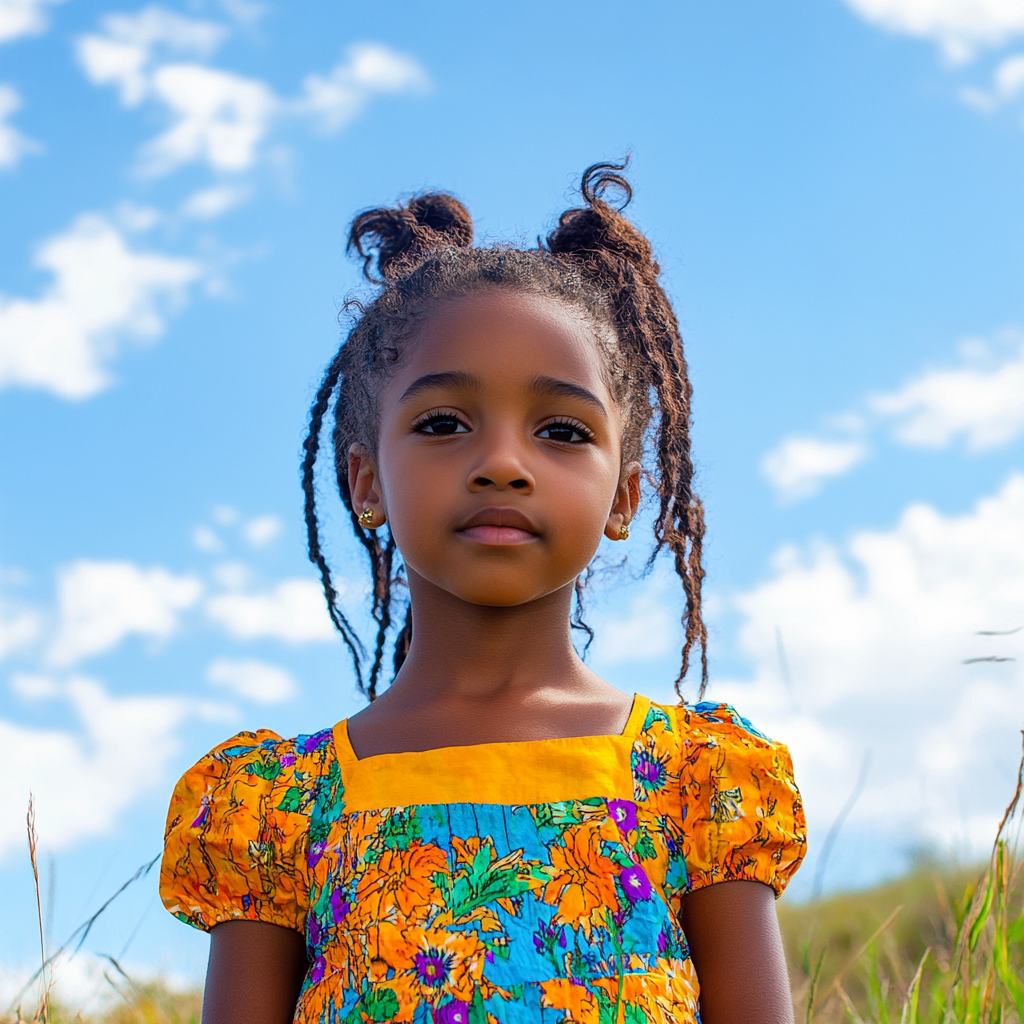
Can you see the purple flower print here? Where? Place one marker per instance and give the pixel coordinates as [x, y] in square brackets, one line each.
[339, 907]
[317, 971]
[452, 1013]
[204, 812]
[314, 930]
[287, 760]
[432, 967]
[649, 770]
[624, 814]
[635, 883]
[316, 852]
[316, 740]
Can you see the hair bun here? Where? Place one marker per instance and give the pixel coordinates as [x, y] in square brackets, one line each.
[401, 233]
[600, 228]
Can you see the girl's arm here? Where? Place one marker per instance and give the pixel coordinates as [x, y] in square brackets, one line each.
[734, 939]
[254, 974]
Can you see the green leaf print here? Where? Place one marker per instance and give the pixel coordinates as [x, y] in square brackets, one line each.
[378, 1005]
[292, 799]
[657, 715]
[477, 1010]
[635, 1014]
[264, 769]
[399, 829]
[644, 845]
[486, 880]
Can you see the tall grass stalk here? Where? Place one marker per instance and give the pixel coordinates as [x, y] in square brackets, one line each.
[954, 961]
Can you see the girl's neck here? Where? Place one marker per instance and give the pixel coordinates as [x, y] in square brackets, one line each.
[475, 652]
[479, 674]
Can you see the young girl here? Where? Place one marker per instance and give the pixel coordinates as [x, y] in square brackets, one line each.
[501, 835]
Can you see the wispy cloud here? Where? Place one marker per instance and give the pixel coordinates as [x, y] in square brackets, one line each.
[876, 635]
[252, 680]
[220, 118]
[293, 611]
[798, 466]
[23, 18]
[126, 52]
[101, 603]
[13, 144]
[959, 27]
[979, 401]
[103, 292]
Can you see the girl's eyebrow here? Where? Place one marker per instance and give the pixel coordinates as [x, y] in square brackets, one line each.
[457, 380]
[566, 389]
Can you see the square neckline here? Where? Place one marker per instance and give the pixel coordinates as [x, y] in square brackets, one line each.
[634, 723]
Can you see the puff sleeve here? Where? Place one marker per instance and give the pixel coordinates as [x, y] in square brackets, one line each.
[237, 837]
[743, 815]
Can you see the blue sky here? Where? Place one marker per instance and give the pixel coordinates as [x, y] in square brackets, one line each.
[834, 190]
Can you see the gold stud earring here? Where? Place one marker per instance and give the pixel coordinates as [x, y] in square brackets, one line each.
[623, 532]
[366, 519]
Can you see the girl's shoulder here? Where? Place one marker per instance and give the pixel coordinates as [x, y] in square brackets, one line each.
[261, 760]
[237, 835]
[743, 813]
[706, 727]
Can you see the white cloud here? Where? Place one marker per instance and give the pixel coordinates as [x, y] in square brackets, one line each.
[220, 118]
[23, 18]
[13, 144]
[1007, 85]
[19, 627]
[876, 635]
[262, 530]
[336, 98]
[100, 603]
[294, 611]
[124, 54]
[960, 27]
[102, 292]
[210, 203]
[797, 466]
[980, 401]
[1009, 77]
[206, 540]
[253, 680]
[983, 404]
[83, 779]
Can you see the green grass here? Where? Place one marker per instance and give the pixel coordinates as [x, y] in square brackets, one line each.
[933, 947]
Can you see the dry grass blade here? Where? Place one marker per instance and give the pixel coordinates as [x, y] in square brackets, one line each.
[43, 1011]
[863, 949]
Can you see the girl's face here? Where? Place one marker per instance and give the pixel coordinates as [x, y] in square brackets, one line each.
[498, 464]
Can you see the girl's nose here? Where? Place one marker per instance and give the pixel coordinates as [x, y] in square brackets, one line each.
[502, 468]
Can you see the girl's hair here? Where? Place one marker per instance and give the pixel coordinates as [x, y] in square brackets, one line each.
[595, 262]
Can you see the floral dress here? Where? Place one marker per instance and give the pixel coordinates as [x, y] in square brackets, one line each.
[532, 882]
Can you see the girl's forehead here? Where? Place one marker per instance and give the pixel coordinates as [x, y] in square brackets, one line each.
[498, 332]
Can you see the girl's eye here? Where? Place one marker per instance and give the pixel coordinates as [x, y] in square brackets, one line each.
[439, 424]
[566, 431]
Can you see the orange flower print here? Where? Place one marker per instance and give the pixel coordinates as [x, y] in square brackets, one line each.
[438, 962]
[583, 878]
[400, 884]
[575, 998]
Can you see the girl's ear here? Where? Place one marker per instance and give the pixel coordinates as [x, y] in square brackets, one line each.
[363, 484]
[627, 501]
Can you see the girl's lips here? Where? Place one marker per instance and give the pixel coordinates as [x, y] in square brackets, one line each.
[497, 536]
